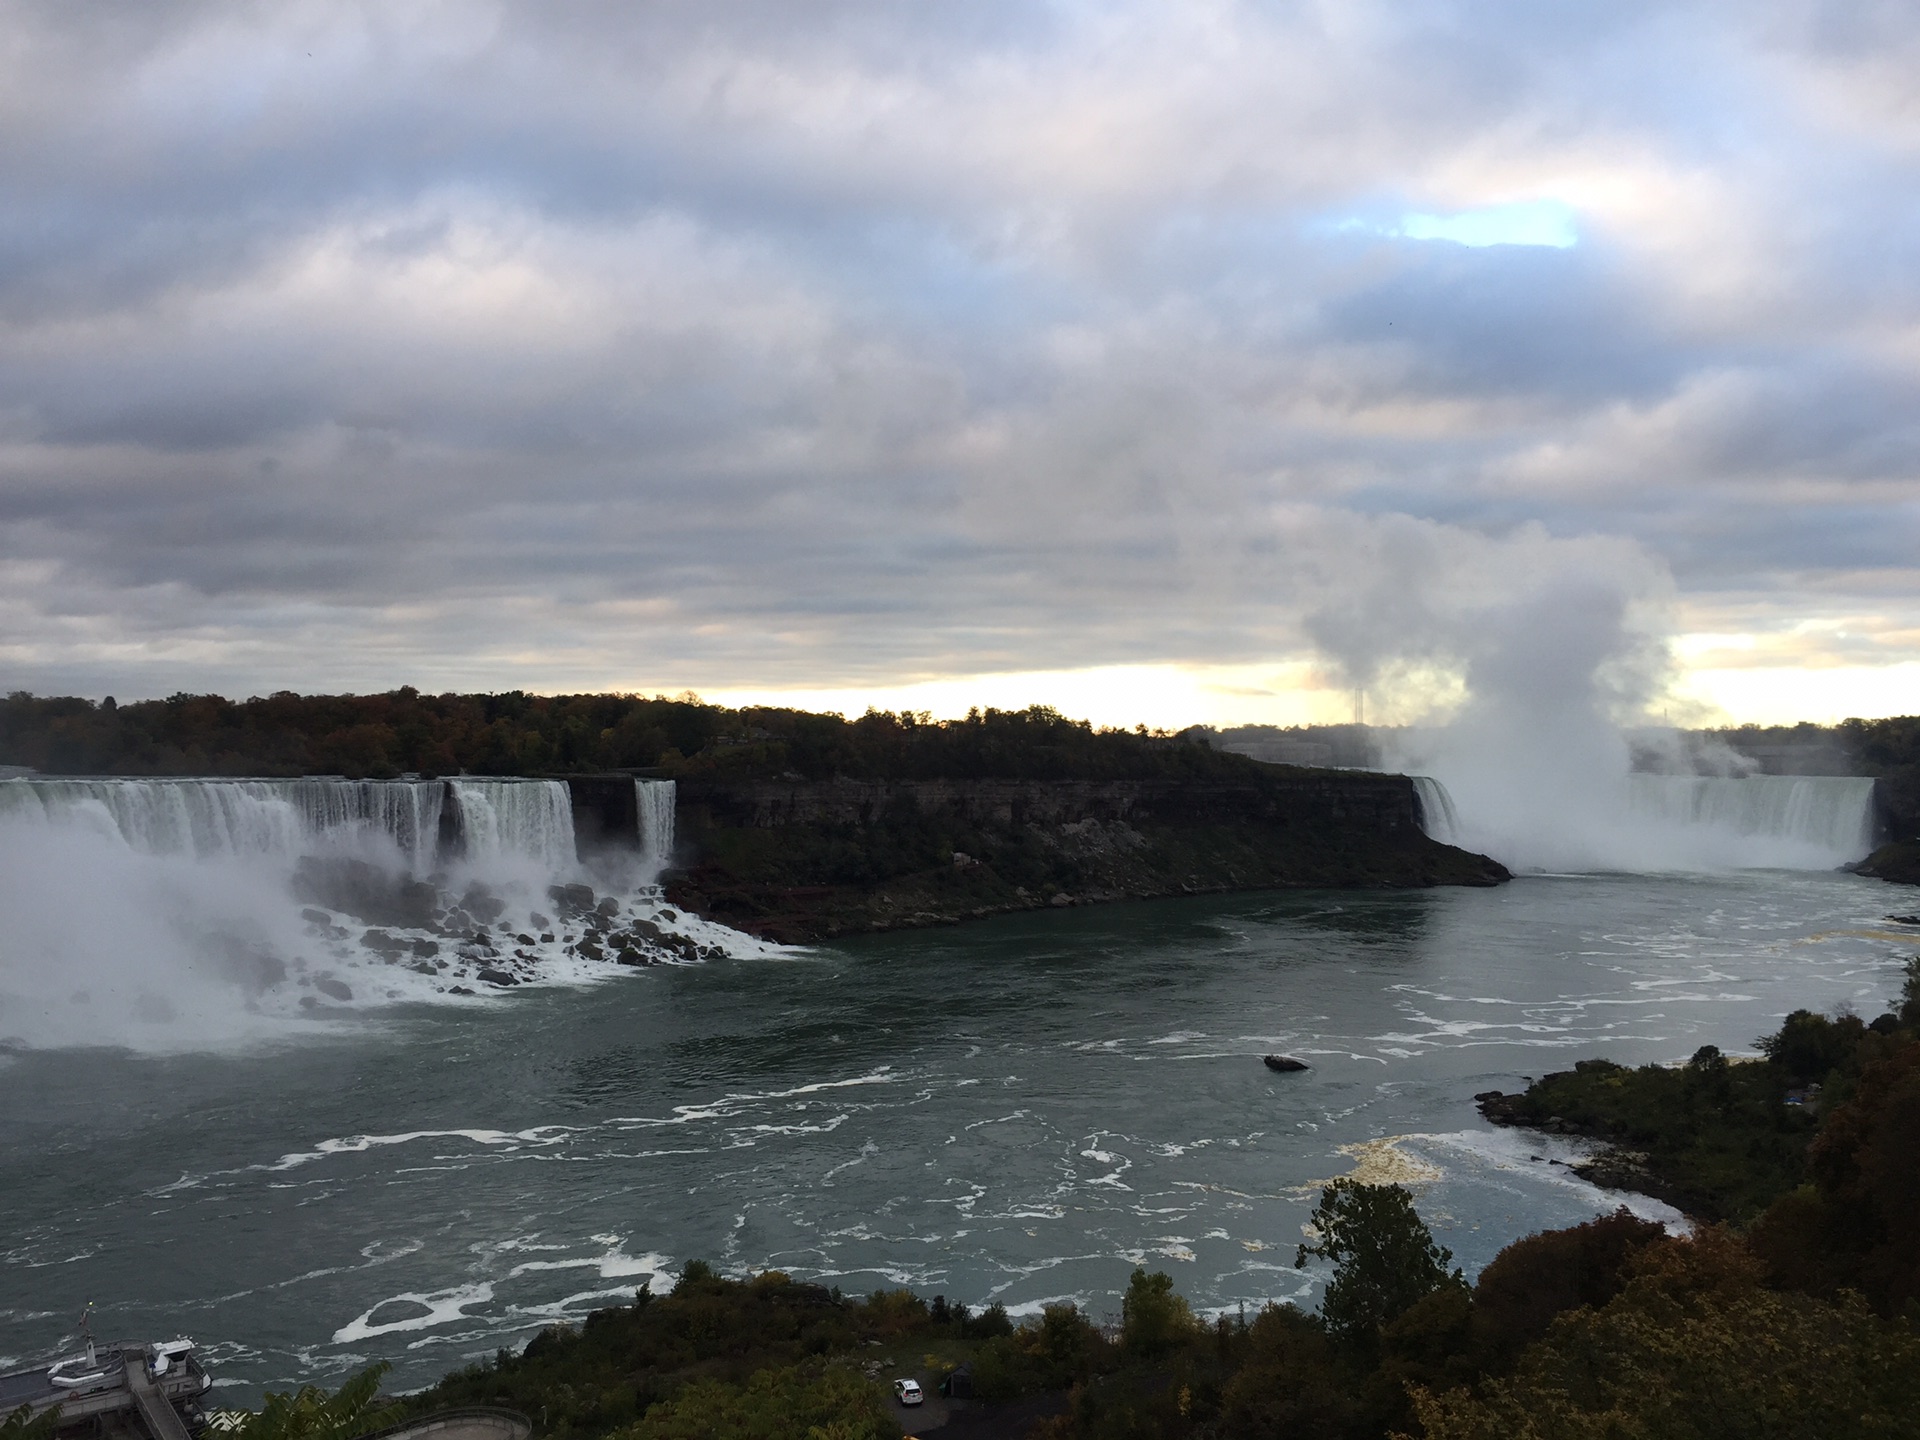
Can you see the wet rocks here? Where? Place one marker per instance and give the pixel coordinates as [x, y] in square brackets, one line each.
[1500, 1108]
[1897, 861]
[366, 892]
[572, 901]
[483, 904]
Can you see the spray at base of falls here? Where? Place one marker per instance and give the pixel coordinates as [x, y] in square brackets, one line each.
[1665, 823]
[181, 914]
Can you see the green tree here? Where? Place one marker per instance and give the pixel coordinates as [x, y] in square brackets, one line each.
[1854, 1225]
[1154, 1320]
[1541, 1276]
[1695, 1348]
[311, 1414]
[811, 1401]
[1384, 1257]
[23, 1424]
[1291, 1386]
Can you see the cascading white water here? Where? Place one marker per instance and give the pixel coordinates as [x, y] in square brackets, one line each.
[1437, 815]
[181, 913]
[1655, 823]
[1827, 816]
[205, 818]
[653, 803]
[165, 817]
[405, 811]
[505, 819]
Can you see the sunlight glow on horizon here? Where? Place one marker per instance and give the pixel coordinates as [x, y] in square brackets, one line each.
[1172, 696]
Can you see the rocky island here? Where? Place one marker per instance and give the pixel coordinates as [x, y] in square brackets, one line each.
[799, 860]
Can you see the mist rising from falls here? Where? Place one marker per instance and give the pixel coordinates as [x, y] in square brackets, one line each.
[182, 913]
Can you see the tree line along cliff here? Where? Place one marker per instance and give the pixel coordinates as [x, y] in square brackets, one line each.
[406, 732]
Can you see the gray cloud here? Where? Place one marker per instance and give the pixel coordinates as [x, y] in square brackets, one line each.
[705, 344]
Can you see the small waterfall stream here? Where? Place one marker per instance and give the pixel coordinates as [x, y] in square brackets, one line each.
[653, 802]
[1437, 815]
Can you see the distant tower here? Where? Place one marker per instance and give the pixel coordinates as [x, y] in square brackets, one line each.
[1359, 704]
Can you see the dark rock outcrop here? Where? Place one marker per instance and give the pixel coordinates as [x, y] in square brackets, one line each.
[1898, 861]
[802, 860]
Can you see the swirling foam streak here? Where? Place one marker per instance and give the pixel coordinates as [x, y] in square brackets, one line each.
[442, 1306]
[359, 1144]
[732, 1103]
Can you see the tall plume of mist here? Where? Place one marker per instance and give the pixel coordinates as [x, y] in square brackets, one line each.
[1523, 670]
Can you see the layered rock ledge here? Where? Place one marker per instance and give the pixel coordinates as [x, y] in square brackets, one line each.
[801, 860]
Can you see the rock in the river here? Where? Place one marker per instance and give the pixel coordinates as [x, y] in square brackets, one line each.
[571, 900]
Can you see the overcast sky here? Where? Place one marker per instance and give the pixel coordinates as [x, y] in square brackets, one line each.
[1170, 362]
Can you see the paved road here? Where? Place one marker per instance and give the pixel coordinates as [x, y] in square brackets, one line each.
[929, 1414]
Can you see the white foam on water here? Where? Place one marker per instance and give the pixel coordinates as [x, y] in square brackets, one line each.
[442, 1307]
[360, 1144]
[1529, 1157]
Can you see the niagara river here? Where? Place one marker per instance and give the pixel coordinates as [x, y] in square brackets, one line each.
[1016, 1110]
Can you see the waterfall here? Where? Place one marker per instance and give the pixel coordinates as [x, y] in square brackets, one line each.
[206, 818]
[405, 811]
[1651, 824]
[164, 817]
[164, 914]
[1825, 815]
[501, 819]
[653, 803]
[1437, 815]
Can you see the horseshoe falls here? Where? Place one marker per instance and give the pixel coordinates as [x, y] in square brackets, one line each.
[1654, 824]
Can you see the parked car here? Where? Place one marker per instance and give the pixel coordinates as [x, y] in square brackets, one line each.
[907, 1392]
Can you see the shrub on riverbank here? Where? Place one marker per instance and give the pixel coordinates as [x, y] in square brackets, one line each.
[1721, 1140]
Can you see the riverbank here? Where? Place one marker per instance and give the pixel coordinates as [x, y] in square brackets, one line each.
[800, 861]
[1898, 862]
[1720, 1139]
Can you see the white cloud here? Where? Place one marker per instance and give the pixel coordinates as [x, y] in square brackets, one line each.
[479, 345]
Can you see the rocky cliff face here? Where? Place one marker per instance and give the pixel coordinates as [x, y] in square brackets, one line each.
[805, 860]
[1378, 804]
